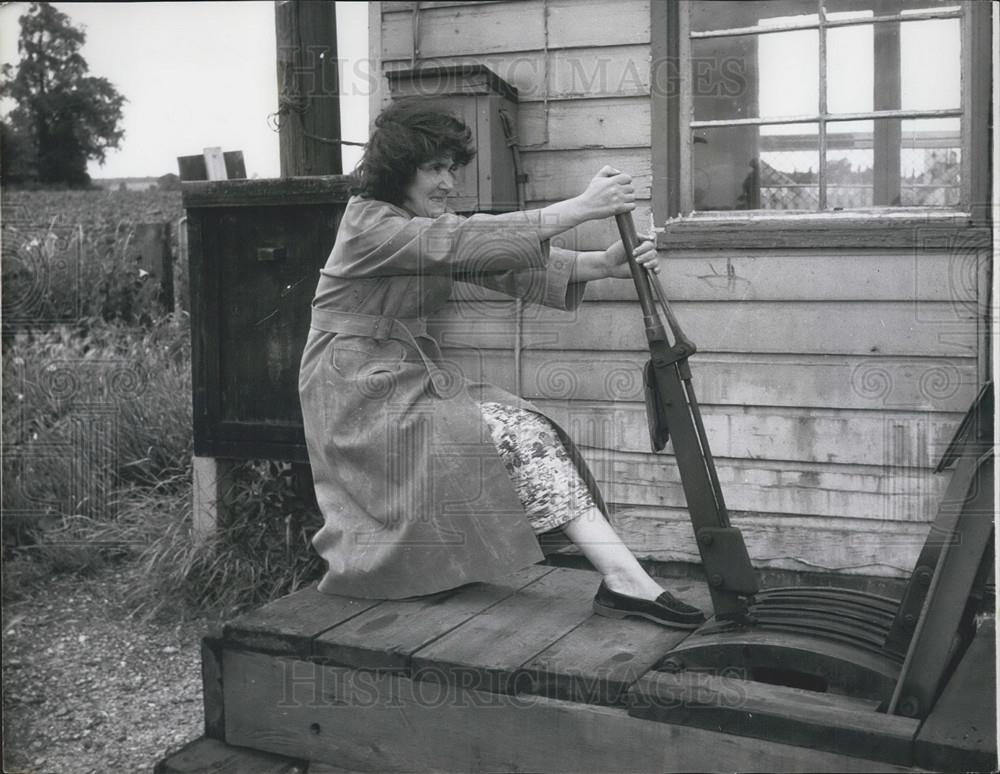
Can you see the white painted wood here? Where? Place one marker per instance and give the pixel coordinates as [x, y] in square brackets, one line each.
[885, 438]
[878, 494]
[752, 379]
[573, 124]
[574, 73]
[853, 547]
[516, 26]
[739, 278]
[211, 479]
[215, 164]
[378, 86]
[560, 174]
[892, 329]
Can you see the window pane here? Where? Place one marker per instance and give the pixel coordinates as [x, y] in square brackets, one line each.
[756, 76]
[849, 163]
[850, 69]
[931, 55]
[724, 78]
[751, 167]
[930, 162]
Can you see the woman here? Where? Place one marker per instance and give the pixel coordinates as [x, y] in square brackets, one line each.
[427, 480]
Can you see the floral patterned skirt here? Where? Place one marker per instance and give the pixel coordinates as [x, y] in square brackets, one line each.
[547, 482]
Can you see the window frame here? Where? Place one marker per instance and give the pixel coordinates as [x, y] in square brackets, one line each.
[880, 226]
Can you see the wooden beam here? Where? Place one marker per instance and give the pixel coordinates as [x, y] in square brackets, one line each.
[308, 87]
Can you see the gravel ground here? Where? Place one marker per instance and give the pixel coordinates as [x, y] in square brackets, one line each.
[88, 689]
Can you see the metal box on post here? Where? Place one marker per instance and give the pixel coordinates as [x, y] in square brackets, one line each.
[488, 106]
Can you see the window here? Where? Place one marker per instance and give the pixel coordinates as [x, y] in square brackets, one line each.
[821, 106]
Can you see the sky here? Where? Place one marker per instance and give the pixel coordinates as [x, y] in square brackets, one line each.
[196, 75]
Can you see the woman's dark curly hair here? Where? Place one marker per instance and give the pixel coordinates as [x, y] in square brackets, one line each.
[408, 134]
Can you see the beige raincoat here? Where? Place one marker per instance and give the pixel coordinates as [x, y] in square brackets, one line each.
[414, 497]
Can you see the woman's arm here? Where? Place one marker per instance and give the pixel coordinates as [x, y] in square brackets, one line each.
[598, 264]
[610, 192]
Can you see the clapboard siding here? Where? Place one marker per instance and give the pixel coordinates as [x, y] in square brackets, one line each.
[713, 276]
[889, 328]
[766, 486]
[883, 438]
[945, 384]
[851, 546]
[830, 380]
[597, 123]
[554, 174]
[573, 73]
[485, 29]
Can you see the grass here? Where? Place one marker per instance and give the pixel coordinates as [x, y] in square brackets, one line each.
[97, 425]
[121, 395]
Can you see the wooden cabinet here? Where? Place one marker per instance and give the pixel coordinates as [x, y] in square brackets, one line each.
[255, 251]
[488, 106]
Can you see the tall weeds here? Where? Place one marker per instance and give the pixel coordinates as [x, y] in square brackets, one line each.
[97, 427]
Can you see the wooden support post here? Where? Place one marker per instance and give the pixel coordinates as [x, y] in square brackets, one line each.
[308, 87]
[212, 479]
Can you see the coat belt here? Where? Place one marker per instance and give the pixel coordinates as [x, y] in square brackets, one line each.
[381, 328]
[373, 325]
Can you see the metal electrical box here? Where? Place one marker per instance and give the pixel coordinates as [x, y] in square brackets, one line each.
[488, 106]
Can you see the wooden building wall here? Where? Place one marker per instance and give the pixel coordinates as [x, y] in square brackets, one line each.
[830, 380]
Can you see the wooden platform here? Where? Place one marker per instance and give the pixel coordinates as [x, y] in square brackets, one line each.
[512, 676]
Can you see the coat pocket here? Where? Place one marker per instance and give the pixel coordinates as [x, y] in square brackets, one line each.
[356, 357]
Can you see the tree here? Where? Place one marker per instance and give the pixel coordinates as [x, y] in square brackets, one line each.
[64, 117]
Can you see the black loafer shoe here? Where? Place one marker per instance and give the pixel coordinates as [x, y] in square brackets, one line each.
[666, 609]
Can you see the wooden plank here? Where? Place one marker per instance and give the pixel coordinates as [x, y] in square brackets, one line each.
[288, 625]
[594, 123]
[805, 381]
[783, 277]
[574, 73]
[462, 30]
[486, 651]
[907, 496]
[563, 174]
[841, 545]
[585, 23]
[215, 165]
[307, 69]
[925, 231]
[213, 756]
[515, 26]
[886, 438]
[886, 328]
[385, 636]
[960, 734]
[819, 721]
[320, 189]
[688, 277]
[387, 723]
[597, 661]
[213, 699]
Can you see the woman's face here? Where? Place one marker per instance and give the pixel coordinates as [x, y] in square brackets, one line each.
[434, 180]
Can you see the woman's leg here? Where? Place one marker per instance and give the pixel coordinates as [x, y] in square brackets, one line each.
[610, 556]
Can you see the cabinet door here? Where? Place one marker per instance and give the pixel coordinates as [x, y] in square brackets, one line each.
[255, 271]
